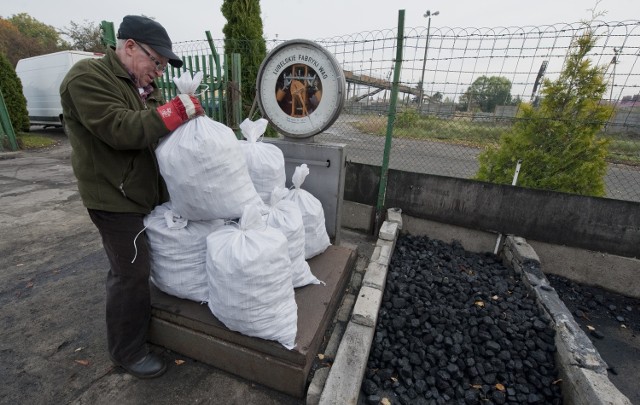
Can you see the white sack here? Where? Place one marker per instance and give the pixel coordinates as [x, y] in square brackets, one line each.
[315, 230]
[249, 271]
[178, 253]
[286, 216]
[204, 168]
[265, 161]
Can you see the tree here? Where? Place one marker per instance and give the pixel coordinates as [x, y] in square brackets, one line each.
[44, 37]
[486, 93]
[22, 36]
[243, 34]
[558, 141]
[13, 97]
[12, 42]
[87, 37]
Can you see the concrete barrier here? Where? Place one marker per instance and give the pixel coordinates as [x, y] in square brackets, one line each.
[342, 385]
[582, 370]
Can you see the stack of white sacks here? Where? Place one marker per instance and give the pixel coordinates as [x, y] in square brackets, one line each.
[232, 235]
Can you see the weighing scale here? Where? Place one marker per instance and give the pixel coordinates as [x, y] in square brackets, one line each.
[300, 90]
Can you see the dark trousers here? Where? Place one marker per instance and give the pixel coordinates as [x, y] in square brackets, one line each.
[128, 302]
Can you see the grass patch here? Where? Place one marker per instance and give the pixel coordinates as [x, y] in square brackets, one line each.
[32, 141]
[372, 125]
[459, 132]
[624, 149]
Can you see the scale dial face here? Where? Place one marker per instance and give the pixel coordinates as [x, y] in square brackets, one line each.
[300, 88]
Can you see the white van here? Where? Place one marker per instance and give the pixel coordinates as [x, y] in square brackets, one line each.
[41, 77]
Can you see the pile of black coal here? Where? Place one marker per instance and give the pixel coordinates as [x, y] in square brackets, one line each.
[612, 322]
[593, 306]
[457, 327]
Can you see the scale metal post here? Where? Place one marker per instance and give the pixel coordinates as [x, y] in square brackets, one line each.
[300, 90]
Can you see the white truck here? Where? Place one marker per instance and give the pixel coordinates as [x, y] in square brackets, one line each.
[41, 77]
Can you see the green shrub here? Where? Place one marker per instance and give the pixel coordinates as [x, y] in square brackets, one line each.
[557, 142]
[407, 119]
[13, 97]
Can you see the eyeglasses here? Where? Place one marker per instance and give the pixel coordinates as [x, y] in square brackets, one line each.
[160, 68]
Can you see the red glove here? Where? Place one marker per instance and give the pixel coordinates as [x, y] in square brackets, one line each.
[180, 109]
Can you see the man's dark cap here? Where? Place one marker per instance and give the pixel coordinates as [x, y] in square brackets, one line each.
[147, 31]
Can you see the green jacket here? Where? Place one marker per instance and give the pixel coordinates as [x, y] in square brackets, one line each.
[113, 134]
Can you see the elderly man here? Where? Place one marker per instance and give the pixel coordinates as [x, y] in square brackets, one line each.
[114, 117]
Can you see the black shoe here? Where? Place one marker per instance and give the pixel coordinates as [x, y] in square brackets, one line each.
[150, 366]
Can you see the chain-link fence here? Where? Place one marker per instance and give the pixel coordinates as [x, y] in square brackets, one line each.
[447, 113]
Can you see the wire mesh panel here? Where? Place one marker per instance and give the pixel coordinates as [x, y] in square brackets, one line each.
[461, 90]
[475, 80]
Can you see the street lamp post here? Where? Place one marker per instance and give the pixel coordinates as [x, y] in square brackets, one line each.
[428, 15]
[369, 80]
[614, 62]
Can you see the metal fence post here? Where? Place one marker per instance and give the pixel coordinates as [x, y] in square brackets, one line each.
[390, 120]
[217, 88]
[108, 33]
[235, 95]
[6, 128]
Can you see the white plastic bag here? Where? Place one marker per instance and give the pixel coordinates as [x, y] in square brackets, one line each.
[249, 271]
[204, 168]
[187, 84]
[285, 216]
[316, 238]
[265, 161]
[178, 253]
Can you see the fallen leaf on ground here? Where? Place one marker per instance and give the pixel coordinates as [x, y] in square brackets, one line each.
[500, 387]
[82, 362]
[321, 356]
[590, 327]
[179, 362]
[479, 303]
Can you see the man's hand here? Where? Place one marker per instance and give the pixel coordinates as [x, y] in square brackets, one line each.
[179, 110]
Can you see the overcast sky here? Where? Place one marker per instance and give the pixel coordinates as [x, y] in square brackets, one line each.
[313, 19]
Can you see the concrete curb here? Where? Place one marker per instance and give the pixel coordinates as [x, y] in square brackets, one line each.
[583, 371]
[342, 317]
[342, 385]
[10, 155]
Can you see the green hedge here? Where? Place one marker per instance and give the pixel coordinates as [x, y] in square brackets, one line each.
[13, 97]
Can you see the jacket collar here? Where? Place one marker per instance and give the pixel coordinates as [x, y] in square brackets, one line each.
[113, 62]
